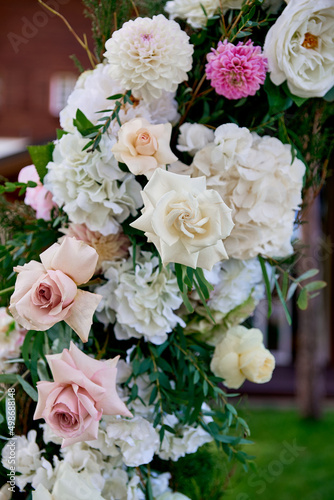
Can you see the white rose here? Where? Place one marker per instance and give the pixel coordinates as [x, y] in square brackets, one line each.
[240, 355]
[194, 136]
[300, 47]
[143, 147]
[185, 221]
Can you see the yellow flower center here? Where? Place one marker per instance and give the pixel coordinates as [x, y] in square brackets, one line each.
[310, 41]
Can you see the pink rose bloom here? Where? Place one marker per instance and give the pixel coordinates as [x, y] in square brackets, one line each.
[236, 71]
[38, 197]
[46, 293]
[83, 389]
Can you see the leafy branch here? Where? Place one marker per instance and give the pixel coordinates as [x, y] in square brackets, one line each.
[95, 132]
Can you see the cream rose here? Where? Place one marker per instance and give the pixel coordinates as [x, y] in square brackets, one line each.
[143, 147]
[184, 220]
[300, 48]
[241, 355]
[46, 293]
[82, 390]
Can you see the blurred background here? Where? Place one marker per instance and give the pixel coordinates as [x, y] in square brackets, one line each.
[292, 416]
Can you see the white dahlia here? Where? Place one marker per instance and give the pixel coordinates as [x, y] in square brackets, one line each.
[149, 56]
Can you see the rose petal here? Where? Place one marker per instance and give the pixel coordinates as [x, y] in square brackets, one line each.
[66, 374]
[81, 315]
[110, 403]
[86, 363]
[74, 258]
[47, 391]
[28, 275]
[89, 434]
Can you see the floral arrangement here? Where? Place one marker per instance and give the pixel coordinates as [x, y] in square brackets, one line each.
[153, 225]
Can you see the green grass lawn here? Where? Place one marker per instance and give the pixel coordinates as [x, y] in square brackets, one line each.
[294, 461]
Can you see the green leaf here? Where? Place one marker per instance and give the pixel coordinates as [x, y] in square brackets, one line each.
[285, 284]
[26, 347]
[28, 389]
[60, 132]
[308, 274]
[8, 378]
[329, 97]
[267, 284]
[302, 301]
[315, 285]
[202, 297]
[231, 409]
[153, 395]
[115, 97]
[148, 492]
[84, 126]
[280, 295]
[41, 156]
[196, 377]
[292, 289]
[296, 99]
[278, 101]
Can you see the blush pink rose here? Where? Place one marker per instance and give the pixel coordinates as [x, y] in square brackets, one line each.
[38, 197]
[83, 389]
[144, 147]
[46, 293]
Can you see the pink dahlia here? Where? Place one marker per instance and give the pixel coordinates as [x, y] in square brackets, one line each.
[236, 71]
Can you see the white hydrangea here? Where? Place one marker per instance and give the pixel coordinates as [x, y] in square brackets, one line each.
[49, 436]
[11, 338]
[136, 438]
[80, 485]
[46, 474]
[91, 96]
[82, 457]
[186, 440]
[170, 495]
[149, 56]
[86, 184]
[234, 282]
[192, 10]
[119, 486]
[27, 457]
[257, 178]
[193, 137]
[142, 301]
[105, 445]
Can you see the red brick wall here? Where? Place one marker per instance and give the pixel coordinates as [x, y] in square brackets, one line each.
[34, 44]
